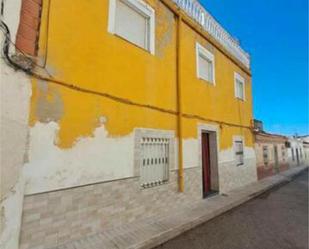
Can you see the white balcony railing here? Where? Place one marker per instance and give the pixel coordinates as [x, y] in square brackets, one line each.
[196, 11]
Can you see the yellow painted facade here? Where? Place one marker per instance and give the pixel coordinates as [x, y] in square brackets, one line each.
[81, 52]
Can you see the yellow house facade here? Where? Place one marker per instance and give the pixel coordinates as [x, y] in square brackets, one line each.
[141, 105]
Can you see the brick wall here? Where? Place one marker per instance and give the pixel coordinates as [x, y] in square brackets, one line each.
[28, 29]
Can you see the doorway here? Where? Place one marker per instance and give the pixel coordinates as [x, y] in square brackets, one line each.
[209, 164]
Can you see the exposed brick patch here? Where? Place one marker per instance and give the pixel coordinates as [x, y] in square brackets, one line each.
[28, 29]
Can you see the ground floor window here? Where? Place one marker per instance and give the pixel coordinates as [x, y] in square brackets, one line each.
[154, 161]
[239, 151]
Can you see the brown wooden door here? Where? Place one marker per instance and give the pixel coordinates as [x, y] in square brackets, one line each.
[206, 164]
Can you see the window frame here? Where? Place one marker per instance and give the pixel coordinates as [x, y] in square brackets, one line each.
[238, 77]
[204, 52]
[145, 10]
[139, 134]
[237, 139]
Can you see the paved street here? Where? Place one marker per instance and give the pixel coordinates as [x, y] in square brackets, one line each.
[274, 220]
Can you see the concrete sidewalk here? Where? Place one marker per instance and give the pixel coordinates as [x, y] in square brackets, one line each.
[153, 232]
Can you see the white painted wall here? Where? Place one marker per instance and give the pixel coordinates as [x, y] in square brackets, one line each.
[306, 149]
[15, 91]
[14, 99]
[102, 158]
[90, 160]
[11, 16]
[232, 176]
[296, 143]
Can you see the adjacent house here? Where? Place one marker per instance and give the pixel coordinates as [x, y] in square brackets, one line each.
[271, 152]
[296, 151]
[137, 107]
[305, 141]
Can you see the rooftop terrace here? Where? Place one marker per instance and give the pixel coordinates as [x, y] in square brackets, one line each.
[198, 13]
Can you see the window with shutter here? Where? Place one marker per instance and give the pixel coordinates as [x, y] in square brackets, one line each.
[205, 64]
[239, 82]
[133, 20]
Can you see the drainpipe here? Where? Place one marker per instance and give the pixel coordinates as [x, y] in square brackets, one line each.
[179, 107]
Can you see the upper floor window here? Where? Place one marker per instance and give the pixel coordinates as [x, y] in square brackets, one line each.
[134, 21]
[239, 82]
[205, 64]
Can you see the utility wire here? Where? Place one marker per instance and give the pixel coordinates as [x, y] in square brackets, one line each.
[29, 71]
[6, 49]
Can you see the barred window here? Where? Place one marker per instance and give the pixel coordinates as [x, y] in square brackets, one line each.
[155, 161]
[239, 152]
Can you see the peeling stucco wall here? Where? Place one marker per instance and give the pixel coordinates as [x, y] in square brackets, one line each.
[101, 158]
[67, 123]
[92, 159]
[67, 137]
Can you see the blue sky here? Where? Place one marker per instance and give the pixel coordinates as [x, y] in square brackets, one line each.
[275, 33]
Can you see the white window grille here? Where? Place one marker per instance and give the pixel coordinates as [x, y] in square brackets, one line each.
[205, 64]
[239, 82]
[239, 152]
[133, 20]
[155, 161]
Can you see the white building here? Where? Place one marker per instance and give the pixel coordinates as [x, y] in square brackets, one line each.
[296, 154]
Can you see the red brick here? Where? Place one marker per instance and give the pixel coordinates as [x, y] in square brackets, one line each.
[28, 29]
[27, 32]
[29, 20]
[26, 46]
[31, 7]
[38, 2]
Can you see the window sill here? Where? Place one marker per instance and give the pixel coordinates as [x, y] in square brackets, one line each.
[207, 81]
[240, 99]
[155, 185]
[132, 43]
